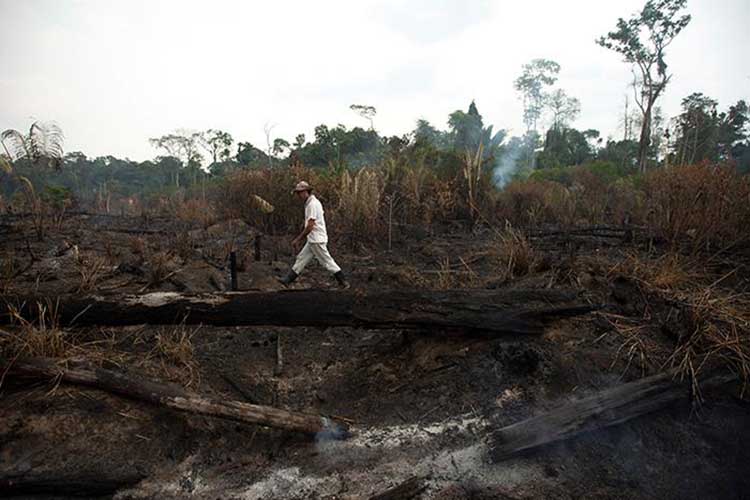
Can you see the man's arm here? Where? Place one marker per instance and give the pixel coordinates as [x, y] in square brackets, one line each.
[307, 230]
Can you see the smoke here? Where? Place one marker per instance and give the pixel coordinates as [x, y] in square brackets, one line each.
[332, 431]
[505, 166]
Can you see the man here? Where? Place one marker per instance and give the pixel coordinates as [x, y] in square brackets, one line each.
[315, 237]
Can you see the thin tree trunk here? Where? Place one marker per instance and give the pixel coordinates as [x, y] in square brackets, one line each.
[645, 139]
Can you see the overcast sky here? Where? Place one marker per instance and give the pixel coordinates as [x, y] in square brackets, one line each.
[114, 73]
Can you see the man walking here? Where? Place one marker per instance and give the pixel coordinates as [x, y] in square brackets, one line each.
[315, 237]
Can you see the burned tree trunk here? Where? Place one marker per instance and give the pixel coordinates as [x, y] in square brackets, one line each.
[522, 312]
[175, 397]
[610, 407]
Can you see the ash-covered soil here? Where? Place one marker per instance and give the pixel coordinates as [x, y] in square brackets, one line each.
[420, 403]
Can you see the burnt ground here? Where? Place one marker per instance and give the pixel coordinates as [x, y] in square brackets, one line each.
[421, 403]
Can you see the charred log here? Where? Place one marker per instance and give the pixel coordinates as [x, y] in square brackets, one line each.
[607, 408]
[176, 397]
[521, 312]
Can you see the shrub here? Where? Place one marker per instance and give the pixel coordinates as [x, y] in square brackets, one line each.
[703, 205]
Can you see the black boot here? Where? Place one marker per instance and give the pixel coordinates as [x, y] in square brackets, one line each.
[289, 278]
[341, 279]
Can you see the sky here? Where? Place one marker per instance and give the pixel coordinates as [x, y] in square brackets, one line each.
[113, 73]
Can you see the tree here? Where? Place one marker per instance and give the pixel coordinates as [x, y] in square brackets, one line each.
[734, 137]
[565, 109]
[279, 146]
[249, 155]
[621, 153]
[565, 147]
[468, 133]
[218, 144]
[183, 145]
[466, 128]
[704, 133]
[425, 134]
[299, 141]
[536, 75]
[367, 112]
[643, 40]
[44, 142]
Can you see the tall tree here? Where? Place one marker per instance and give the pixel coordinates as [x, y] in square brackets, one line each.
[704, 133]
[535, 77]
[565, 109]
[299, 141]
[218, 144]
[643, 40]
[734, 136]
[183, 145]
[366, 112]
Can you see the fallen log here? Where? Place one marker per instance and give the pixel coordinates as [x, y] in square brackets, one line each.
[177, 398]
[521, 312]
[80, 486]
[607, 408]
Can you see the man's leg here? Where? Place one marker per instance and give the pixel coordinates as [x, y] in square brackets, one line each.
[320, 250]
[303, 259]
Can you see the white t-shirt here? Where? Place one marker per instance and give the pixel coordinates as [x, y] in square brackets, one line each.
[314, 210]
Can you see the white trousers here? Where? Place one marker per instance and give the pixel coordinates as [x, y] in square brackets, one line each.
[320, 252]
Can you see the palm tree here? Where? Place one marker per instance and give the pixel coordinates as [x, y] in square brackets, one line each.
[43, 142]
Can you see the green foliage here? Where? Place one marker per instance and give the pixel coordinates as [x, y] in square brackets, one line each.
[702, 133]
[250, 156]
[218, 144]
[58, 197]
[643, 40]
[605, 171]
[356, 147]
[622, 153]
[565, 146]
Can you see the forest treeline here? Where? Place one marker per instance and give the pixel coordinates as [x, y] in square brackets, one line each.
[194, 161]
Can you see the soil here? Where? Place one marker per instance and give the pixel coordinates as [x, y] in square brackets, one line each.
[419, 405]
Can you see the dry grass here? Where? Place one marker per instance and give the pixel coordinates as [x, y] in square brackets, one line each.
[160, 267]
[8, 268]
[194, 211]
[43, 338]
[91, 268]
[174, 345]
[719, 335]
[699, 206]
[358, 211]
[513, 254]
[713, 321]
